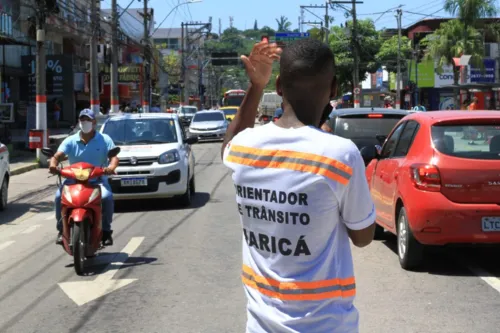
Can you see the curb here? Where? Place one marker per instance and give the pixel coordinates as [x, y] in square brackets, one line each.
[24, 169]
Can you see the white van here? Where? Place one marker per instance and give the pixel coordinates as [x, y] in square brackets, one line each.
[269, 103]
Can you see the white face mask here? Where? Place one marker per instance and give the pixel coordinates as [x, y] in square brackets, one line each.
[86, 126]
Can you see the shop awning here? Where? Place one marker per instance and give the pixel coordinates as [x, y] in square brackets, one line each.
[469, 86]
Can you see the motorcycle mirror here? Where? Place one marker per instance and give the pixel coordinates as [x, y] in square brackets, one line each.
[48, 152]
[114, 152]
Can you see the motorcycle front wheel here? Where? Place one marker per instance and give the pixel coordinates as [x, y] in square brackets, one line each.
[78, 242]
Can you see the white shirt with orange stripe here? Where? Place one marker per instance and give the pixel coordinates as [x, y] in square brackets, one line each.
[296, 191]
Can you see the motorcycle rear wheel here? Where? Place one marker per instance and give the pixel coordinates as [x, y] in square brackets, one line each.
[78, 242]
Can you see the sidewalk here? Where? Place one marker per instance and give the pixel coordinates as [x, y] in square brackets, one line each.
[24, 162]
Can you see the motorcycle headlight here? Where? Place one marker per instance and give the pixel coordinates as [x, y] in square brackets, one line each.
[82, 174]
[67, 193]
[95, 194]
[171, 156]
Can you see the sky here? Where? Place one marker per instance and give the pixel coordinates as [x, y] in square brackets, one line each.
[244, 12]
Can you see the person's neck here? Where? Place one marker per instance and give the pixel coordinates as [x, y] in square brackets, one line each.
[289, 120]
[86, 137]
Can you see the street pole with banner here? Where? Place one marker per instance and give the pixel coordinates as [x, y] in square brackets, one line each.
[114, 57]
[41, 97]
[399, 13]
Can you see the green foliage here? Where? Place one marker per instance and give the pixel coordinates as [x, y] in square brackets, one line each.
[448, 42]
[369, 43]
[283, 24]
[388, 53]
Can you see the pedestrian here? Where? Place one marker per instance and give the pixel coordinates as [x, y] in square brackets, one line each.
[474, 105]
[301, 194]
[57, 113]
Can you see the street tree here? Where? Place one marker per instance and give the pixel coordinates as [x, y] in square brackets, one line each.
[388, 53]
[447, 43]
[255, 26]
[368, 44]
[283, 24]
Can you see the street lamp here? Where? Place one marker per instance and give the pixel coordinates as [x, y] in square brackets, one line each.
[174, 8]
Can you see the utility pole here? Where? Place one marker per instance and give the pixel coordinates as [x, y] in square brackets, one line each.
[94, 71]
[399, 13]
[183, 66]
[146, 63]
[356, 55]
[114, 57]
[41, 97]
[327, 21]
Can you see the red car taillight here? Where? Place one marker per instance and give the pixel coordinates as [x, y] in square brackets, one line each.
[426, 177]
[275, 118]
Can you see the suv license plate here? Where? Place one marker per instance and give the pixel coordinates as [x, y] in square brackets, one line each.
[134, 182]
[491, 224]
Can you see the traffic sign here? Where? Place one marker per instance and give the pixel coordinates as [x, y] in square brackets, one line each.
[357, 91]
[288, 35]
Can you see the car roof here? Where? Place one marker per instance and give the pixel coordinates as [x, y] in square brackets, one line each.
[433, 117]
[144, 116]
[343, 112]
[210, 111]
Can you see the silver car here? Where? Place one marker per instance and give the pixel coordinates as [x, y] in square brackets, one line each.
[208, 125]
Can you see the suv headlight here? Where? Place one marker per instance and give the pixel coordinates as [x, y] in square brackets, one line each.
[171, 156]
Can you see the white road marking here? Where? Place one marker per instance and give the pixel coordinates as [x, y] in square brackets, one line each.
[29, 230]
[82, 292]
[492, 281]
[5, 245]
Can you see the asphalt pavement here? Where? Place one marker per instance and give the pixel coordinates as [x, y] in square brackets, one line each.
[178, 270]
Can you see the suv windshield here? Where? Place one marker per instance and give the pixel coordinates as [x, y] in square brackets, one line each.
[480, 142]
[208, 116]
[188, 110]
[365, 126]
[141, 131]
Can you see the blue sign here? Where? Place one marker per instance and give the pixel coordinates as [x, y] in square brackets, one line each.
[486, 76]
[292, 34]
[380, 78]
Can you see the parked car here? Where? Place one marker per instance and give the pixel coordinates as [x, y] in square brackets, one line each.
[277, 114]
[4, 176]
[229, 112]
[209, 125]
[156, 160]
[364, 126]
[186, 114]
[431, 186]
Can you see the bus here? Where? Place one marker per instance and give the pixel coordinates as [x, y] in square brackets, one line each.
[233, 97]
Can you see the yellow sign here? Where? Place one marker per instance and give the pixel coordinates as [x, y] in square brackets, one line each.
[125, 74]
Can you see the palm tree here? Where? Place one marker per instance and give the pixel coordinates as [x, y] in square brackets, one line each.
[283, 24]
[470, 11]
[448, 42]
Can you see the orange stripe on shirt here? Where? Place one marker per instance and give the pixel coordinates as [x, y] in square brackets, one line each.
[299, 291]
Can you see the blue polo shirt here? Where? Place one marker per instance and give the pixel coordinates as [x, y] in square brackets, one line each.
[94, 152]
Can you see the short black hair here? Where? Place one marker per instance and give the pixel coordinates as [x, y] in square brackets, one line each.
[307, 69]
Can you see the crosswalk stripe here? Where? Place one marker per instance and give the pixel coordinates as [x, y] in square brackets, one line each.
[5, 245]
[31, 229]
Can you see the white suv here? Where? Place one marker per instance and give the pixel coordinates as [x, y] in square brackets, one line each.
[156, 160]
[4, 176]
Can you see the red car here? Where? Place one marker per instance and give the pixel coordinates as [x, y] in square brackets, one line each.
[433, 185]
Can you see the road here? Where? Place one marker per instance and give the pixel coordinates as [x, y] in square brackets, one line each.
[181, 273]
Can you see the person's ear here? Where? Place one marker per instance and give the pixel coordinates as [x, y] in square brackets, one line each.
[333, 89]
[278, 86]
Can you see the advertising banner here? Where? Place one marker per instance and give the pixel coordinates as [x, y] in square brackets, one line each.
[444, 78]
[478, 75]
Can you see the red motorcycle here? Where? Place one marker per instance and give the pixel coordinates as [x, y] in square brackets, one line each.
[81, 210]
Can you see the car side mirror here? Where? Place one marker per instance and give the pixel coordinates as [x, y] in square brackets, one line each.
[369, 153]
[48, 152]
[114, 152]
[381, 139]
[191, 140]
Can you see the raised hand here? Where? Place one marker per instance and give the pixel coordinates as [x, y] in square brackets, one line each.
[259, 63]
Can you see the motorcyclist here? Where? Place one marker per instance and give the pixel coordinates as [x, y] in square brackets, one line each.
[92, 147]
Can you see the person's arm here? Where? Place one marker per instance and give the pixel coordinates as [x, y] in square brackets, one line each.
[356, 206]
[113, 161]
[61, 155]
[258, 66]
